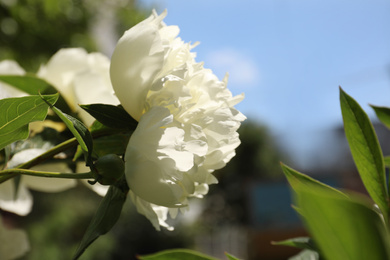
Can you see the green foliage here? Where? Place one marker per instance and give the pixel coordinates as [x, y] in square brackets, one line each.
[306, 255]
[347, 226]
[111, 116]
[338, 225]
[29, 84]
[110, 168]
[298, 242]
[33, 30]
[36, 29]
[33, 85]
[106, 140]
[230, 257]
[365, 149]
[80, 131]
[383, 114]
[177, 254]
[17, 113]
[106, 216]
[297, 179]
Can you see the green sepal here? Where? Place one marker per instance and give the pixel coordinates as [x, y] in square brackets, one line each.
[111, 116]
[80, 131]
[106, 216]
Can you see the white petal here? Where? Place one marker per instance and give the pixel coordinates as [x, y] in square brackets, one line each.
[10, 67]
[101, 190]
[61, 70]
[147, 179]
[20, 205]
[24, 156]
[48, 184]
[92, 88]
[137, 58]
[157, 215]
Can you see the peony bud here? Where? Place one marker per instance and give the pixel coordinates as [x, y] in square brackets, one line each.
[110, 168]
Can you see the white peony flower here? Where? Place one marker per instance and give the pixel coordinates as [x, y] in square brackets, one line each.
[20, 201]
[10, 67]
[81, 78]
[13, 242]
[187, 123]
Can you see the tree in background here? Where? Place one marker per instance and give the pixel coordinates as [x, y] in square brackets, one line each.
[31, 31]
[257, 158]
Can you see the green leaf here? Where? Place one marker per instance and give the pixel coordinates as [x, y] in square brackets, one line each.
[386, 160]
[306, 255]
[297, 179]
[383, 114]
[230, 257]
[116, 144]
[80, 131]
[177, 254]
[28, 83]
[343, 228]
[365, 150]
[34, 86]
[111, 116]
[106, 140]
[106, 216]
[298, 242]
[17, 113]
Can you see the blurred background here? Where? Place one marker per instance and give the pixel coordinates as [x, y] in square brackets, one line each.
[289, 58]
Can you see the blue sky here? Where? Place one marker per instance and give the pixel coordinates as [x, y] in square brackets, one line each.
[290, 56]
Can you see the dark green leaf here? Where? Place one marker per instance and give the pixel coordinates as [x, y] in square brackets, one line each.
[343, 228]
[106, 140]
[299, 242]
[106, 216]
[177, 254]
[80, 131]
[34, 86]
[111, 116]
[365, 150]
[17, 113]
[306, 255]
[383, 113]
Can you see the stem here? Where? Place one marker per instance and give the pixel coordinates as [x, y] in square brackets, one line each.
[35, 161]
[11, 173]
[49, 153]
[16, 171]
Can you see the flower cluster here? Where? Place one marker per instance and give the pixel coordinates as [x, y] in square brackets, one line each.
[81, 78]
[74, 73]
[187, 123]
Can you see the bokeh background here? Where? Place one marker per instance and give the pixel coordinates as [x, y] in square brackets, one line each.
[289, 58]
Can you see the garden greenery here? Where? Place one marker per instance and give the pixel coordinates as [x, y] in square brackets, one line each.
[157, 141]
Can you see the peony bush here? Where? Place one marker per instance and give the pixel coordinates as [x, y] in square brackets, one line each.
[149, 126]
